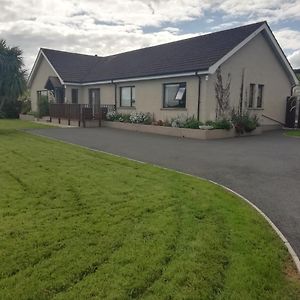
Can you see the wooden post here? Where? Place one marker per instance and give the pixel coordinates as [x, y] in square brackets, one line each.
[83, 117]
[100, 115]
[69, 112]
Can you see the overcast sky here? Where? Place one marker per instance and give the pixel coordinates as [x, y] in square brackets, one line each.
[110, 26]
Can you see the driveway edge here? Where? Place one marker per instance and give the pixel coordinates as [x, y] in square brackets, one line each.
[275, 228]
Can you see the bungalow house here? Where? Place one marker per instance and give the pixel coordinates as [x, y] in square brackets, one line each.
[177, 78]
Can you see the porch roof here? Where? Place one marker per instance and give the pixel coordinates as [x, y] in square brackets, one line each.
[52, 83]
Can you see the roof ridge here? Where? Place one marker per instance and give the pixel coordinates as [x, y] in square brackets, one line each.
[69, 52]
[186, 39]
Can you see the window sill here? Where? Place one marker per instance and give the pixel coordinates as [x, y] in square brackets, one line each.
[174, 108]
[126, 107]
[255, 108]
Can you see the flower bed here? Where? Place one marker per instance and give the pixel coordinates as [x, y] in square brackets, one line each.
[181, 126]
[201, 134]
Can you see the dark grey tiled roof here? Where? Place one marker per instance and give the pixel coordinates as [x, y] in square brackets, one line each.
[188, 55]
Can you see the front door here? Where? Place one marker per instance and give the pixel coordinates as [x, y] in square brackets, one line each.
[94, 100]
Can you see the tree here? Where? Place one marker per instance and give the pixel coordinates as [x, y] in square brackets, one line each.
[12, 74]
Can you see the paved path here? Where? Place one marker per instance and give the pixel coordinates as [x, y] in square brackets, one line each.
[265, 169]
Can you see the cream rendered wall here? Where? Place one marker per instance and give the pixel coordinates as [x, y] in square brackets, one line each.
[261, 67]
[149, 97]
[68, 93]
[107, 93]
[43, 71]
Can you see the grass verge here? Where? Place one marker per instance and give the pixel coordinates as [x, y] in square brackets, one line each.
[77, 224]
[293, 133]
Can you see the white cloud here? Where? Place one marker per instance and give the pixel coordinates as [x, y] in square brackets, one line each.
[107, 27]
[92, 26]
[294, 59]
[89, 38]
[288, 38]
[272, 11]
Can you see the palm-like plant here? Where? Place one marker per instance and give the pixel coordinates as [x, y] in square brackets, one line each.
[12, 74]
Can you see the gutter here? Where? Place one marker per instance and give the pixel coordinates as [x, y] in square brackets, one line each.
[194, 73]
[292, 88]
[115, 95]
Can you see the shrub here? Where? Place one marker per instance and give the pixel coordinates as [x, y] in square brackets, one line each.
[159, 123]
[111, 116]
[192, 123]
[223, 124]
[220, 124]
[123, 118]
[210, 123]
[25, 106]
[178, 121]
[243, 122]
[43, 106]
[11, 109]
[140, 118]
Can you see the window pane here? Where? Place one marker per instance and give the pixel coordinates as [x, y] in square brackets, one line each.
[175, 95]
[180, 93]
[133, 96]
[74, 95]
[260, 95]
[251, 94]
[125, 96]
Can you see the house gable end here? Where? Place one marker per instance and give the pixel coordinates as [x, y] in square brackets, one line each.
[41, 58]
[268, 35]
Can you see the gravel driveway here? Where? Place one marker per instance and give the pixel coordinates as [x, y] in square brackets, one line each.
[265, 169]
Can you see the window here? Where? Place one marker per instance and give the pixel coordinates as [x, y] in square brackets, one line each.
[260, 93]
[251, 95]
[127, 96]
[174, 95]
[74, 96]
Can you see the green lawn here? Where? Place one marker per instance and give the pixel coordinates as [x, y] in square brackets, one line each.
[295, 133]
[78, 224]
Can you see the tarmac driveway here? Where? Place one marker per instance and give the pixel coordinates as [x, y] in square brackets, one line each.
[265, 169]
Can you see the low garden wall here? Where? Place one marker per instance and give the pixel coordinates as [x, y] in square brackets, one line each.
[27, 117]
[201, 134]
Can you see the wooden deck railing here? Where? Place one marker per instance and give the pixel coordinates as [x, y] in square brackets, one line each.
[79, 112]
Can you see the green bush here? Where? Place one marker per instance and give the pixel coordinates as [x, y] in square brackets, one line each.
[26, 106]
[223, 124]
[192, 123]
[43, 106]
[243, 122]
[11, 109]
[123, 118]
[210, 123]
[220, 124]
